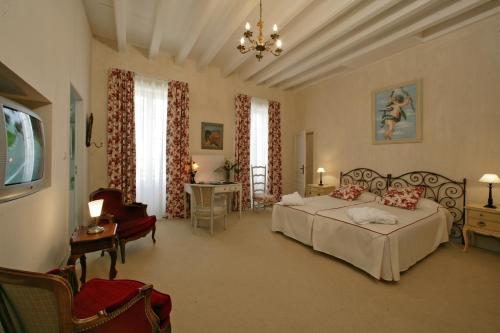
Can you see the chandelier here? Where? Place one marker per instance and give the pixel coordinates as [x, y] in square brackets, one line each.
[260, 44]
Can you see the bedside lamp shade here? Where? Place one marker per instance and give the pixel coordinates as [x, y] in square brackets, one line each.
[320, 170]
[95, 207]
[195, 166]
[490, 178]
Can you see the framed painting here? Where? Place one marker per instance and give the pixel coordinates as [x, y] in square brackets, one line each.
[397, 113]
[212, 136]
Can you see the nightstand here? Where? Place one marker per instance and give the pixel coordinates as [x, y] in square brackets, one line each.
[484, 221]
[313, 190]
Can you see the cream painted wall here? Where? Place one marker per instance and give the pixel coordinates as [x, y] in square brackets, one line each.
[211, 100]
[461, 111]
[50, 50]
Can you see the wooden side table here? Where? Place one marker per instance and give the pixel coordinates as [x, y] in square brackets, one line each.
[481, 220]
[82, 243]
[316, 189]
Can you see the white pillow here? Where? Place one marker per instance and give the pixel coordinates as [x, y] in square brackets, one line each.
[427, 203]
[367, 196]
[293, 199]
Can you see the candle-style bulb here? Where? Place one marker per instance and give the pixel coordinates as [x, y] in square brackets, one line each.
[275, 28]
[247, 26]
[242, 41]
[279, 43]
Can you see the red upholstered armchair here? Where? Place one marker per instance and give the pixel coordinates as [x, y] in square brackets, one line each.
[132, 219]
[48, 303]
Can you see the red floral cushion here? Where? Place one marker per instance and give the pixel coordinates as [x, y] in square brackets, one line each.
[348, 192]
[402, 197]
[136, 226]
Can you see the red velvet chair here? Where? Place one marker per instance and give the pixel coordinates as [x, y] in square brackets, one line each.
[47, 303]
[132, 219]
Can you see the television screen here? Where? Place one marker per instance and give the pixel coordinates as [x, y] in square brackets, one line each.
[24, 137]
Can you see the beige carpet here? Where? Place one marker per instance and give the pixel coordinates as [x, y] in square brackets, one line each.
[249, 279]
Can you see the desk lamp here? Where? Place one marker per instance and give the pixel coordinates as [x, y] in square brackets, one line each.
[491, 179]
[320, 171]
[194, 169]
[95, 208]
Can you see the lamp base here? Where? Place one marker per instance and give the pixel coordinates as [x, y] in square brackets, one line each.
[95, 230]
[489, 206]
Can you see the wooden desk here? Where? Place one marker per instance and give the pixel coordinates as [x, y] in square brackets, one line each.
[219, 188]
[82, 243]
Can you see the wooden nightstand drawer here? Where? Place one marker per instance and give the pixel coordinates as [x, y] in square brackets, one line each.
[480, 215]
[313, 190]
[483, 224]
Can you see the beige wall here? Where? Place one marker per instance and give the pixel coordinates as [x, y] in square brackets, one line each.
[461, 111]
[50, 50]
[211, 100]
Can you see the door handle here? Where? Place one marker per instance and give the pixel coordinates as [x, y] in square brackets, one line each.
[302, 168]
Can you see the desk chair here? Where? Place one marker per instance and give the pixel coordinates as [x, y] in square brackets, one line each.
[208, 206]
[260, 197]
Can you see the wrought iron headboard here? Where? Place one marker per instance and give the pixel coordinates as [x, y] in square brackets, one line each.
[445, 191]
[372, 180]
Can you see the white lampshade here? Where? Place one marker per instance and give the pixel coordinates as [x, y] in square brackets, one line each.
[489, 178]
[95, 207]
[320, 170]
[195, 166]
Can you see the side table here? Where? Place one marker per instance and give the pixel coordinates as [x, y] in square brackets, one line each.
[82, 243]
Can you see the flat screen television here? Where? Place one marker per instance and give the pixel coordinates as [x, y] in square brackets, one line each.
[22, 150]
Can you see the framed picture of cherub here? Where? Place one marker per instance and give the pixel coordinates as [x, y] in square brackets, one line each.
[212, 136]
[397, 113]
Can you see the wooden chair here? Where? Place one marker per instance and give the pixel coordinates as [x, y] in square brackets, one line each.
[50, 303]
[132, 219]
[207, 206]
[260, 197]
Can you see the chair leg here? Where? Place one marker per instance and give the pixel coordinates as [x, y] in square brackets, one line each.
[122, 250]
[153, 234]
[211, 225]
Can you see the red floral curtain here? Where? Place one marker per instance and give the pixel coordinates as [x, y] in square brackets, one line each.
[274, 181]
[242, 146]
[121, 132]
[177, 147]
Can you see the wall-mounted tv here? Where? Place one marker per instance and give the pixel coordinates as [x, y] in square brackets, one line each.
[22, 150]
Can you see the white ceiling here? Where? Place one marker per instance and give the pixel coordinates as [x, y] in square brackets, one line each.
[321, 38]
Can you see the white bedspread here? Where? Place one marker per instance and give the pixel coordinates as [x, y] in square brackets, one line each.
[297, 221]
[382, 250]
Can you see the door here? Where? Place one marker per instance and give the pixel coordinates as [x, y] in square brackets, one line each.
[300, 163]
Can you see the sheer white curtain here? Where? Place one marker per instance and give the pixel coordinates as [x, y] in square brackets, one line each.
[259, 119]
[150, 139]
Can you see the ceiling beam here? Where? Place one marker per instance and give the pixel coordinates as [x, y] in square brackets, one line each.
[387, 22]
[204, 13]
[327, 37]
[309, 24]
[120, 10]
[228, 30]
[293, 9]
[456, 8]
[164, 10]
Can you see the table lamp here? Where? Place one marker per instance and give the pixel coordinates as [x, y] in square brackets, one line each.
[320, 171]
[194, 169]
[491, 179]
[95, 208]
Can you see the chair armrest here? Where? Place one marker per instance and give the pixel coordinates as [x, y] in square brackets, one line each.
[135, 307]
[69, 274]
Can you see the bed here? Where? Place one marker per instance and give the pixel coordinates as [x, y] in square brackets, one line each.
[383, 251]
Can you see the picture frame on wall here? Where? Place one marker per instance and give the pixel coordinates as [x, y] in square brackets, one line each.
[396, 113]
[212, 136]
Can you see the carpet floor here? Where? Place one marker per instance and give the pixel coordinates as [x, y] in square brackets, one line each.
[249, 279]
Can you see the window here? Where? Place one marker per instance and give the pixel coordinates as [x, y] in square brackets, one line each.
[150, 140]
[259, 118]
